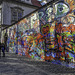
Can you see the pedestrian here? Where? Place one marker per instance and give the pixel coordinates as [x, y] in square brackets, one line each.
[0, 49]
[3, 49]
[5, 41]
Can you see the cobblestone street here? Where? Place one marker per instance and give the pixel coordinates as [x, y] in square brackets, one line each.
[14, 64]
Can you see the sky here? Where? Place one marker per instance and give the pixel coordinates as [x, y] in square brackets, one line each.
[43, 2]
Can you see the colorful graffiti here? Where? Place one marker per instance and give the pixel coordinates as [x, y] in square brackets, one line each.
[12, 39]
[29, 39]
[47, 35]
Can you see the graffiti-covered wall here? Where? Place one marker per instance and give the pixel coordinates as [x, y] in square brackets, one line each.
[47, 34]
[29, 38]
[57, 23]
[12, 39]
[24, 38]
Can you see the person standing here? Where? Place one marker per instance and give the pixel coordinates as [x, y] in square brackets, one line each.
[5, 40]
[3, 49]
[0, 49]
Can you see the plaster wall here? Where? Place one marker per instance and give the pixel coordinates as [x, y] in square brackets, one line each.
[6, 10]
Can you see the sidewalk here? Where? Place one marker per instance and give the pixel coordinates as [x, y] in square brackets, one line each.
[14, 64]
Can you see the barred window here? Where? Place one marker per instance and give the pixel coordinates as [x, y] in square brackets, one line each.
[16, 14]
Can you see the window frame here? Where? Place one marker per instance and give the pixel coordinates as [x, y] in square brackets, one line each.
[17, 10]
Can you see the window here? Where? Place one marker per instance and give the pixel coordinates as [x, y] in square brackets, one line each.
[16, 14]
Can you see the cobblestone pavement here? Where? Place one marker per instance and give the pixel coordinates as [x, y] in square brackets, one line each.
[14, 64]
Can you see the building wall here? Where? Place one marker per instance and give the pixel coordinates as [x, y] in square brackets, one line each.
[6, 10]
[46, 34]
